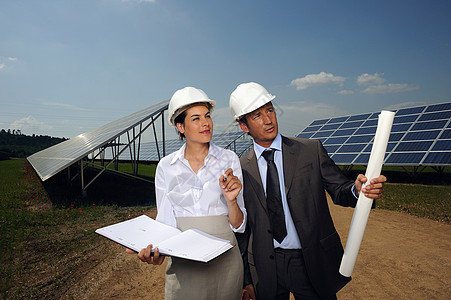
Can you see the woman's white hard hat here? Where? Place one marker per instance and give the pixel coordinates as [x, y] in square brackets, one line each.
[247, 97]
[183, 97]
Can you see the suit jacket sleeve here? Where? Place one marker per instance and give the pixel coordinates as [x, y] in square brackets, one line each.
[336, 183]
[243, 244]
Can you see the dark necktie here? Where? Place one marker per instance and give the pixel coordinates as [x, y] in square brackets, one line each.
[274, 198]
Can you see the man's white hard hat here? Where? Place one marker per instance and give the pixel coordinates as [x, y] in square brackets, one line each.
[183, 97]
[247, 97]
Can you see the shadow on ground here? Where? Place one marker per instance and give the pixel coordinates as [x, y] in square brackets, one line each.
[426, 178]
[108, 189]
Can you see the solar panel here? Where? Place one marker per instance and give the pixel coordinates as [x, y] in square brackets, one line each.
[351, 124]
[435, 158]
[52, 160]
[312, 128]
[400, 127]
[429, 125]
[338, 141]
[446, 134]
[355, 148]
[413, 146]
[366, 130]
[322, 134]
[442, 146]
[344, 132]
[338, 120]
[360, 139]
[410, 111]
[439, 107]
[436, 116]
[330, 126]
[372, 122]
[235, 141]
[359, 117]
[304, 135]
[420, 135]
[413, 158]
[319, 122]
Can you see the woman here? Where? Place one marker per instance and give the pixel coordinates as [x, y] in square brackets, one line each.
[199, 186]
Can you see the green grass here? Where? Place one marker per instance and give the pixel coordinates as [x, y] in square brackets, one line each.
[427, 201]
[41, 241]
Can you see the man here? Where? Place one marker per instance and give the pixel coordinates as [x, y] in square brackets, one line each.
[291, 238]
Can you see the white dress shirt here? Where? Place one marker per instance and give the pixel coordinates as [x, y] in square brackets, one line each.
[182, 193]
[291, 241]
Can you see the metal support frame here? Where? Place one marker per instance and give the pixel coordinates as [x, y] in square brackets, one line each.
[117, 148]
[414, 171]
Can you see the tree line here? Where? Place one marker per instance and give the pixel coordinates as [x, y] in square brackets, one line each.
[15, 144]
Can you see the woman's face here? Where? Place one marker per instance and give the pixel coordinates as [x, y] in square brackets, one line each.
[198, 126]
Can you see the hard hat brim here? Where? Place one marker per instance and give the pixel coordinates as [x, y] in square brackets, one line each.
[180, 110]
[256, 105]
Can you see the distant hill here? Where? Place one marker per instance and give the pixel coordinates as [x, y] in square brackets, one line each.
[15, 144]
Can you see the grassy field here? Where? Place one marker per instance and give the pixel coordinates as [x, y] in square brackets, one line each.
[426, 201]
[43, 248]
[46, 248]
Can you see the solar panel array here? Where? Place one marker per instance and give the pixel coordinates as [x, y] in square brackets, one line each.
[52, 160]
[420, 135]
[234, 141]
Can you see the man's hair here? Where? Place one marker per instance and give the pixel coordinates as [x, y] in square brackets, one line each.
[243, 119]
[182, 115]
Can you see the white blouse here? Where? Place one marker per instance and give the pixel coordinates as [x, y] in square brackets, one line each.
[182, 193]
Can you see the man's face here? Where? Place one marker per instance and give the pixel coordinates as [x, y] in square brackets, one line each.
[261, 125]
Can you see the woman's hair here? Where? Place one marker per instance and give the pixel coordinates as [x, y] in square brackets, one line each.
[182, 115]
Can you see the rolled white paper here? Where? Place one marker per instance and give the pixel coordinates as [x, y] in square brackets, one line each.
[363, 207]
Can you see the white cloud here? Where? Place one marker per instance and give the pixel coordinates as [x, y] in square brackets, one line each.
[370, 79]
[30, 125]
[390, 88]
[64, 105]
[2, 66]
[316, 79]
[12, 58]
[345, 92]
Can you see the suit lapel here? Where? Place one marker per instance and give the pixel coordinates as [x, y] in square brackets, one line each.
[289, 157]
[255, 180]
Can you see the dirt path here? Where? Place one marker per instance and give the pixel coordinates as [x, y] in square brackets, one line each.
[401, 257]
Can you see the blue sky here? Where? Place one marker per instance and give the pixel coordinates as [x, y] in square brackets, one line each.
[67, 67]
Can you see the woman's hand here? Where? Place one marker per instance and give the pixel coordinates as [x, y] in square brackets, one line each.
[146, 255]
[230, 186]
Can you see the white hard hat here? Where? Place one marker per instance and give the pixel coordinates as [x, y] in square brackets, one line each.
[184, 97]
[247, 97]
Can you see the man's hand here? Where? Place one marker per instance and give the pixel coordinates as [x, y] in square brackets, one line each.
[145, 255]
[248, 293]
[374, 189]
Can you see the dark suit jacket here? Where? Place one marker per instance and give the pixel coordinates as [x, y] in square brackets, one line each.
[308, 172]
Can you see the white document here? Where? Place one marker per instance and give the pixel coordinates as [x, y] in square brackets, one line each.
[363, 207]
[139, 232]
